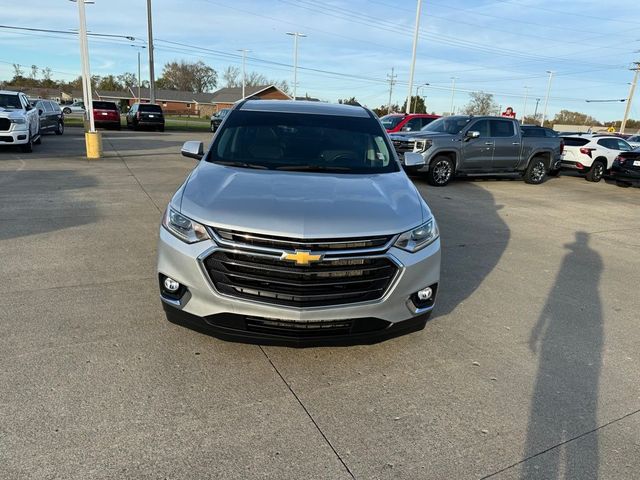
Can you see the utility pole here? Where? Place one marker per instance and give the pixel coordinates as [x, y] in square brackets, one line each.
[139, 84]
[152, 80]
[524, 108]
[392, 81]
[632, 90]
[413, 55]
[295, 36]
[453, 92]
[415, 102]
[535, 113]
[244, 75]
[546, 98]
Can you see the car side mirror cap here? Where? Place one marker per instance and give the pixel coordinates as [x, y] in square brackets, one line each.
[40, 112]
[193, 149]
[413, 159]
[472, 134]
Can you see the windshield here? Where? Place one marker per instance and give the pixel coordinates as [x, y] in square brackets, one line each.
[451, 125]
[391, 121]
[302, 142]
[9, 101]
[222, 113]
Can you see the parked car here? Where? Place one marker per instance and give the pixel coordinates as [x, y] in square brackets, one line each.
[216, 118]
[298, 226]
[407, 122]
[51, 116]
[19, 121]
[626, 168]
[634, 141]
[75, 107]
[145, 115]
[592, 155]
[106, 114]
[464, 145]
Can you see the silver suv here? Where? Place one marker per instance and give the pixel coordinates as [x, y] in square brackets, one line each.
[298, 227]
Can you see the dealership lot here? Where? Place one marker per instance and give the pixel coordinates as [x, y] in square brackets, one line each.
[529, 366]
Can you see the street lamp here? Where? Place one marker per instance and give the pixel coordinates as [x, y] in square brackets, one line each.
[244, 76]
[92, 138]
[453, 92]
[415, 101]
[546, 98]
[295, 36]
[139, 47]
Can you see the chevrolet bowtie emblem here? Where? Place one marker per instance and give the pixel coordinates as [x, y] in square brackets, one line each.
[301, 257]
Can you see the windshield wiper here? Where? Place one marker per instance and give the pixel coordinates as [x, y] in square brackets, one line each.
[241, 164]
[313, 168]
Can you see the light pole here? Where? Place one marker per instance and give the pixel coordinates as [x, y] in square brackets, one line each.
[413, 54]
[152, 80]
[524, 108]
[244, 76]
[139, 47]
[453, 92]
[295, 59]
[535, 113]
[630, 98]
[92, 138]
[546, 98]
[415, 102]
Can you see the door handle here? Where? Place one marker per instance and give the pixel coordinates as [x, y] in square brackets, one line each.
[488, 143]
[515, 143]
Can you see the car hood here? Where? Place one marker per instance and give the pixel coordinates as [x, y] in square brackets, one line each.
[419, 134]
[302, 205]
[9, 113]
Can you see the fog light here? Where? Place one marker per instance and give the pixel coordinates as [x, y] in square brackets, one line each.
[171, 285]
[425, 294]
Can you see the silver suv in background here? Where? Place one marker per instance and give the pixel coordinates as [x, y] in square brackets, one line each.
[19, 121]
[298, 227]
[484, 145]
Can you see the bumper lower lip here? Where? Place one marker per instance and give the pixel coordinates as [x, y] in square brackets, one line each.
[233, 327]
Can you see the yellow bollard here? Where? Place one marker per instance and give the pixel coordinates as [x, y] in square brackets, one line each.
[93, 141]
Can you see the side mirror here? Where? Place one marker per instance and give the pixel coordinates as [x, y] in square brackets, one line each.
[193, 149]
[406, 129]
[472, 134]
[413, 159]
[40, 112]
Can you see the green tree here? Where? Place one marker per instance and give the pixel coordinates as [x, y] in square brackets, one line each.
[349, 101]
[418, 105]
[128, 80]
[481, 103]
[109, 83]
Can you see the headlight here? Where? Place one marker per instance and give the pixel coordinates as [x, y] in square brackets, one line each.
[418, 238]
[18, 121]
[422, 145]
[183, 227]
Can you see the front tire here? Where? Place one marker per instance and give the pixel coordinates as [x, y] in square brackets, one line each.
[536, 172]
[596, 172]
[27, 147]
[60, 129]
[440, 171]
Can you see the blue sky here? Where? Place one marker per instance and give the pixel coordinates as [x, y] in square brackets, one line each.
[499, 46]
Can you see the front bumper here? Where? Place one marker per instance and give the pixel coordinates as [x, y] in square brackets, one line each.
[202, 307]
[14, 137]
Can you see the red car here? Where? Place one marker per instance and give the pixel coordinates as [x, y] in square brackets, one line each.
[406, 122]
[106, 114]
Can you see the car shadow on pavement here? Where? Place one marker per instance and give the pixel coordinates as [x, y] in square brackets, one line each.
[41, 201]
[474, 238]
[568, 339]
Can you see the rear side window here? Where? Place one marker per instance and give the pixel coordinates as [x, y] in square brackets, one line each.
[550, 133]
[575, 141]
[532, 132]
[501, 128]
[47, 106]
[105, 105]
[145, 107]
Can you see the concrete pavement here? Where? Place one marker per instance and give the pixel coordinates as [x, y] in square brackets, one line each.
[530, 367]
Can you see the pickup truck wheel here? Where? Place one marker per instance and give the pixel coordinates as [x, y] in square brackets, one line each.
[536, 172]
[60, 129]
[440, 171]
[38, 140]
[596, 172]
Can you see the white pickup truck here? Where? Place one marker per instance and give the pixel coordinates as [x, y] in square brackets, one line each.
[19, 121]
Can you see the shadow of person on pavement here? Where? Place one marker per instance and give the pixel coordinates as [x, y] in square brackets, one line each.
[568, 340]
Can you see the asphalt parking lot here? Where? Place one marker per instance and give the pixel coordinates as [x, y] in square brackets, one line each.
[529, 368]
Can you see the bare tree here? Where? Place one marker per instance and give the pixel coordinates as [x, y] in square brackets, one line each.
[34, 72]
[481, 103]
[17, 70]
[195, 77]
[232, 77]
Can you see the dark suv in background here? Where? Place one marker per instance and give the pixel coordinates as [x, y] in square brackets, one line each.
[145, 115]
[216, 118]
[51, 116]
